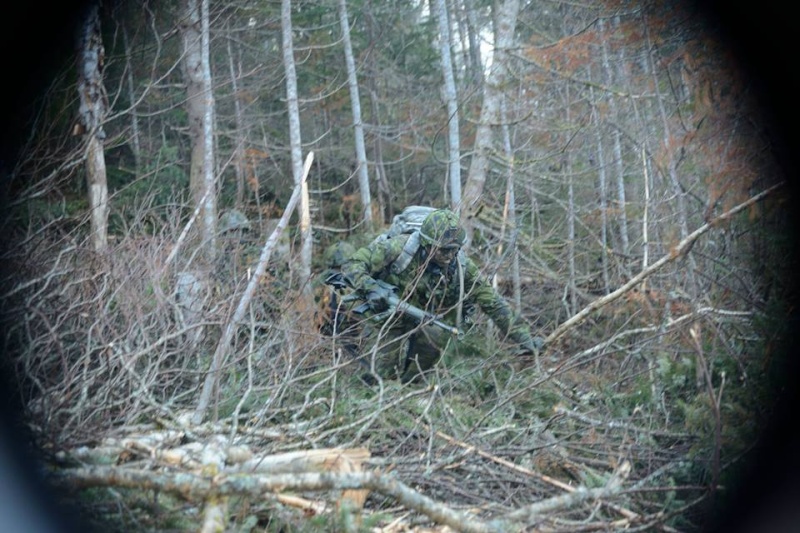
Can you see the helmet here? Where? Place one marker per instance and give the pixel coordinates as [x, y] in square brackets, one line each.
[337, 254]
[442, 229]
[232, 220]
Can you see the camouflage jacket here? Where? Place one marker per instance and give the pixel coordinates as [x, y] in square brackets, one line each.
[432, 288]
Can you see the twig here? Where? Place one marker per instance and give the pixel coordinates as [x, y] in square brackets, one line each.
[681, 248]
[577, 496]
[627, 513]
[230, 328]
[612, 424]
[182, 236]
[193, 486]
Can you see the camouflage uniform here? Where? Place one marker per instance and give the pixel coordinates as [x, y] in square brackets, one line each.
[330, 308]
[404, 349]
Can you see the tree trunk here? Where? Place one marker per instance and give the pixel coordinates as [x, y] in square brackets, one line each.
[200, 110]
[135, 142]
[451, 100]
[384, 191]
[93, 108]
[672, 169]
[296, 146]
[511, 212]
[358, 125]
[490, 113]
[622, 217]
[473, 30]
[240, 134]
[602, 185]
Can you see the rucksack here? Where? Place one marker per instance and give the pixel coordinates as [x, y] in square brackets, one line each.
[408, 222]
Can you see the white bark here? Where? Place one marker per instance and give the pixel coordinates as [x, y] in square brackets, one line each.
[93, 108]
[451, 101]
[296, 145]
[603, 191]
[474, 41]
[358, 125]
[490, 112]
[511, 212]
[240, 129]
[622, 217]
[209, 180]
[200, 110]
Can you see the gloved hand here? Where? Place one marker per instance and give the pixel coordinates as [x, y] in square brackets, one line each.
[378, 298]
[532, 346]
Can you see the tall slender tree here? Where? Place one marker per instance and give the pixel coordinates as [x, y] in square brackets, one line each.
[451, 101]
[358, 125]
[490, 111]
[93, 109]
[296, 146]
[200, 109]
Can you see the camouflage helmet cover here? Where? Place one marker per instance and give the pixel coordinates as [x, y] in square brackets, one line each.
[338, 253]
[442, 228]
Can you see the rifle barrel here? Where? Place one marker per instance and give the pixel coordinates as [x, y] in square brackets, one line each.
[422, 316]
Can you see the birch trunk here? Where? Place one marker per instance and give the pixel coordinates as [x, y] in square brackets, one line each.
[358, 125]
[200, 110]
[451, 101]
[603, 191]
[473, 30]
[622, 217]
[672, 166]
[384, 191]
[93, 108]
[241, 133]
[511, 212]
[296, 148]
[490, 112]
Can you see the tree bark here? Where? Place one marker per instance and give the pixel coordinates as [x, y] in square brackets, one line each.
[383, 195]
[490, 113]
[358, 125]
[622, 216]
[200, 111]
[93, 108]
[451, 101]
[296, 146]
[511, 211]
[602, 186]
[240, 134]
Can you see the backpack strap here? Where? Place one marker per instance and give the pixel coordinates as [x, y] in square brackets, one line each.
[406, 254]
[461, 259]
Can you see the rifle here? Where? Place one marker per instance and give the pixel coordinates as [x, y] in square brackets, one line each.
[420, 315]
[338, 281]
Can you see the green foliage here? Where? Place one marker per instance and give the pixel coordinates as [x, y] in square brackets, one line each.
[121, 510]
[40, 211]
[161, 182]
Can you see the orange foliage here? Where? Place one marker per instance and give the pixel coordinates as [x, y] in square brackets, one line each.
[253, 157]
[652, 304]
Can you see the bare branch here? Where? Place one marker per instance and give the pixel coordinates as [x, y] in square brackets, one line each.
[680, 249]
[241, 308]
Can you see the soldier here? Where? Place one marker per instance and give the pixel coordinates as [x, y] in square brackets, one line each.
[433, 275]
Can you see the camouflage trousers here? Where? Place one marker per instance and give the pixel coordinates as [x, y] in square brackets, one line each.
[403, 350]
